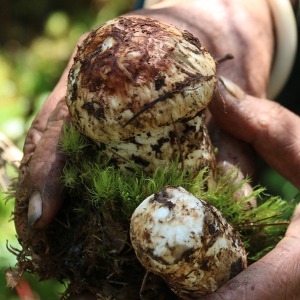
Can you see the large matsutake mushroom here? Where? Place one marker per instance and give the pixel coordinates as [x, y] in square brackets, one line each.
[140, 87]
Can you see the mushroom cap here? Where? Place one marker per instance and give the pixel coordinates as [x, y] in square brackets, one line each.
[186, 241]
[134, 65]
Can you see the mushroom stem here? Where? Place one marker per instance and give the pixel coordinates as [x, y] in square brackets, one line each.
[152, 150]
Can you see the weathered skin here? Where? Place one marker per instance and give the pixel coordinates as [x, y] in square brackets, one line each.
[187, 241]
[140, 86]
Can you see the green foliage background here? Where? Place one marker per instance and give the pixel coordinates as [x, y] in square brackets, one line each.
[37, 38]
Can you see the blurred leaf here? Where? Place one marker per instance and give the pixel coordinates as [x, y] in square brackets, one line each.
[277, 184]
[13, 127]
[5, 69]
[6, 258]
[112, 9]
[57, 24]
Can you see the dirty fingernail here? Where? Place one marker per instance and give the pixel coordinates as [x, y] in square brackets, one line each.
[232, 88]
[35, 208]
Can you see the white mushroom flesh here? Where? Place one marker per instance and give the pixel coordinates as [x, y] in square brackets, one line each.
[186, 241]
[142, 68]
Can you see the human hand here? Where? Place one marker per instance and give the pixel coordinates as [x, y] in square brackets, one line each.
[274, 133]
[41, 172]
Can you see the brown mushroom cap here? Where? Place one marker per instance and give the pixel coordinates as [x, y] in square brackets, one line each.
[133, 65]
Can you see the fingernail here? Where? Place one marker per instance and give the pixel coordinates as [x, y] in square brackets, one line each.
[35, 208]
[232, 88]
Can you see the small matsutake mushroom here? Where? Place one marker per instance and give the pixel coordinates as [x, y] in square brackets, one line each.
[140, 87]
[186, 241]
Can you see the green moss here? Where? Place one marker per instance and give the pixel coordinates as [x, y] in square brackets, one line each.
[90, 176]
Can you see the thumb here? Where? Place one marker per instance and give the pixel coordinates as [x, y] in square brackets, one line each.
[40, 182]
[272, 129]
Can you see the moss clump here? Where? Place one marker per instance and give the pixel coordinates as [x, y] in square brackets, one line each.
[88, 242]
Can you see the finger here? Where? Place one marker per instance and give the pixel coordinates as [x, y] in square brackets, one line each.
[236, 158]
[41, 179]
[274, 277]
[233, 156]
[272, 130]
